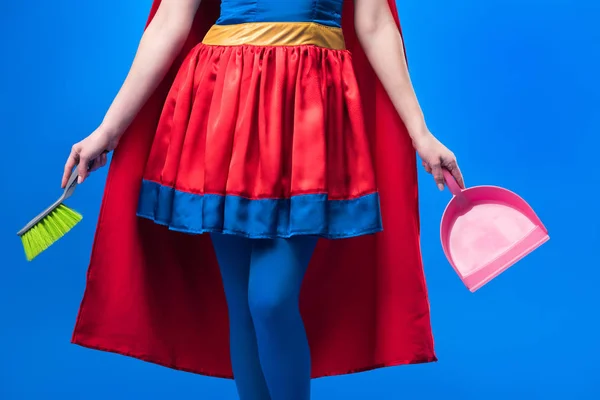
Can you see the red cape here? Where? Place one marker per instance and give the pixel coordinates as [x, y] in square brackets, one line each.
[157, 295]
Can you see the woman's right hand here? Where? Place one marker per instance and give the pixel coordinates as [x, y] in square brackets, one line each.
[89, 154]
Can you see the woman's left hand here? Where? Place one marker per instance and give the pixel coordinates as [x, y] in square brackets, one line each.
[436, 157]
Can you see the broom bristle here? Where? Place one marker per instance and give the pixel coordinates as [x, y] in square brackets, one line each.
[48, 230]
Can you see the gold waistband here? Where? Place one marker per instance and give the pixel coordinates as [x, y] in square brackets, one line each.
[276, 34]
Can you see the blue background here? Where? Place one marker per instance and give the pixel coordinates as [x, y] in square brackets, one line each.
[512, 86]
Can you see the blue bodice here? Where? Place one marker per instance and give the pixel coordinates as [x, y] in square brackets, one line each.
[326, 12]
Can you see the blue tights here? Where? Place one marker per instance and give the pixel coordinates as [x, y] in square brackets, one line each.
[269, 349]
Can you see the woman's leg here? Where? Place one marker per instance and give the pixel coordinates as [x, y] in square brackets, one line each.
[233, 255]
[277, 269]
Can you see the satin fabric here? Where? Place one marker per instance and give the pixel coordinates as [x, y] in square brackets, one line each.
[272, 151]
[313, 215]
[276, 34]
[157, 295]
[325, 12]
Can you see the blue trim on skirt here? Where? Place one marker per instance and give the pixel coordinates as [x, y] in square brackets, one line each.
[311, 214]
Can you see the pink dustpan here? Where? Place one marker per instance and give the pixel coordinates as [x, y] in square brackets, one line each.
[487, 229]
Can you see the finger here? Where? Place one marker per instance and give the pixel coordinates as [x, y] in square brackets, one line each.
[453, 168]
[426, 166]
[438, 175]
[83, 168]
[94, 165]
[69, 165]
[103, 159]
[98, 163]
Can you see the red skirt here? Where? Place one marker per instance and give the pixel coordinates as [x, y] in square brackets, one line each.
[263, 136]
[157, 295]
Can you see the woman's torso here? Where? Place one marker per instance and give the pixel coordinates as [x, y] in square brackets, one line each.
[325, 12]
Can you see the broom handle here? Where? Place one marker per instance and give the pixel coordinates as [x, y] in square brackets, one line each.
[72, 183]
[69, 189]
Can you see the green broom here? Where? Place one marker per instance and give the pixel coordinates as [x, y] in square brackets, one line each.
[52, 224]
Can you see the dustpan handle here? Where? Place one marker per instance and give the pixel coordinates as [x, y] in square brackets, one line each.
[451, 183]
